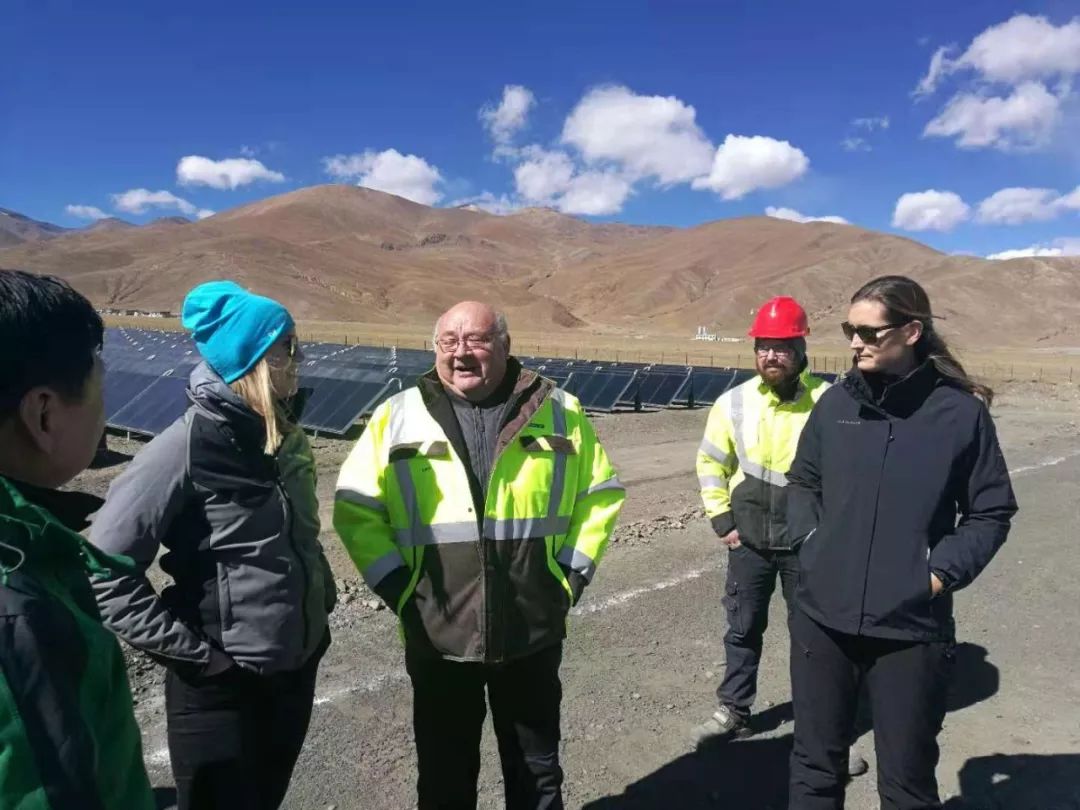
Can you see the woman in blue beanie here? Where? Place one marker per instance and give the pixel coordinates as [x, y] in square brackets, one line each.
[229, 491]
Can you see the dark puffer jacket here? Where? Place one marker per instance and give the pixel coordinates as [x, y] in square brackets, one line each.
[241, 529]
[875, 493]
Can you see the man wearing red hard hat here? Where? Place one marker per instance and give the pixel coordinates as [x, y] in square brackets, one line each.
[750, 441]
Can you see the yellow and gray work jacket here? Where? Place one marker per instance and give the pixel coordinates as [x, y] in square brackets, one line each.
[483, 587]
[742, 464]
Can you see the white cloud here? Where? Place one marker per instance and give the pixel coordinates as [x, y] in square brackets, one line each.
[550, 178]
[855, 144]
[645, 136]
[407, 176]
[510, 116]
[795, 216]
[1015, 206]
[85, 212]
[203, 213]
[929, 210]
[1065, 246]
[544, 176]
[1005, 101]
[744, 164]
[231, 173]
[1071, 200]
[940, 65]
[595, 194]
[1025, 119]
[1023, 253]
[139, 200]
[870, 124]
[1024, 47]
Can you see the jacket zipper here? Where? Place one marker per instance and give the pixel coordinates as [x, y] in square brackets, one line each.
[873, 523]
[491, 478]
[484, 624]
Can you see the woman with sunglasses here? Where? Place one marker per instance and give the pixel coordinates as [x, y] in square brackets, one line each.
[899, 496]
[229, 491]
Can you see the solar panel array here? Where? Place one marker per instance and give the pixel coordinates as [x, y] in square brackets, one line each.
[147, 378]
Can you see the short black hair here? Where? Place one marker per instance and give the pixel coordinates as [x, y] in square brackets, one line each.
[49, 335]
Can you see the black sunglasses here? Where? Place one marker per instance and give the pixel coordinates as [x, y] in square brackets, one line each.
[869, 335]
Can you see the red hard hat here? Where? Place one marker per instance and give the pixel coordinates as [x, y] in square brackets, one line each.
[781, 318]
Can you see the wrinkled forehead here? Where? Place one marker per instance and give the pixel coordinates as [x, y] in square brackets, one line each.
[470, 320]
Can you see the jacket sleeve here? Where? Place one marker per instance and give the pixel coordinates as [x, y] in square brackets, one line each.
[804, 483]
[986, 504]
[716, 463]
[597, 504]
[361, 517]
[48, 748]
[138, 512]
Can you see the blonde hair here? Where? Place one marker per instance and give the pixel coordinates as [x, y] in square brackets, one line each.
[257, 389]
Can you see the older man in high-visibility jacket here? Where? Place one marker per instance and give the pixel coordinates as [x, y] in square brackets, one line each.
[477, 505]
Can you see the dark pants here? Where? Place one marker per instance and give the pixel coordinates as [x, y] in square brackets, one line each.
[234, 738]
[751, 580]
[907, 683]
[448, 720]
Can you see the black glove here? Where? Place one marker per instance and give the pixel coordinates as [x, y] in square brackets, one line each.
[577, 583]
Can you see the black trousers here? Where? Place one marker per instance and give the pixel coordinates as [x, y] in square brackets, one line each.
[751, 580]
[907, 683]
[234, 738]
[448, 718]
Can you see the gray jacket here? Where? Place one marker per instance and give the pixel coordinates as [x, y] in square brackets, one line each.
[240, 529]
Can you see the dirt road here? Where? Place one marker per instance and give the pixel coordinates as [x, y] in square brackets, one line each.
[644, 654]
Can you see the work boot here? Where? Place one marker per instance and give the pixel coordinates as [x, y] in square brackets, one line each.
[725, 724]
[856, 765]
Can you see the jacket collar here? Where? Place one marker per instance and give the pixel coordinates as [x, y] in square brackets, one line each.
[32, 534]
[896, 397]
[213, 397]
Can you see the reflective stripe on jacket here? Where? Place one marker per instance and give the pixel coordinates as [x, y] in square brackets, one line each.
[742, 463]
[482, 587]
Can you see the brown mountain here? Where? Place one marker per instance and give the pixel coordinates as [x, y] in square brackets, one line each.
[111, 224]
[346, 253]
[16, 228]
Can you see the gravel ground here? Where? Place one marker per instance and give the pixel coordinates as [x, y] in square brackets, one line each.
[645, 652]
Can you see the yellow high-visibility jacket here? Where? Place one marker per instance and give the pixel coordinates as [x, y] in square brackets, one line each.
[742, 463]
[486, 584]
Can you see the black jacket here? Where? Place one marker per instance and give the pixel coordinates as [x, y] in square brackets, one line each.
[875, 491]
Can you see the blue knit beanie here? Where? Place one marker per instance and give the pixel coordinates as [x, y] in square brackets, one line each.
[233, 328]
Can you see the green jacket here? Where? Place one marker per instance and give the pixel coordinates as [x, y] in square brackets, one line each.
[68, 737]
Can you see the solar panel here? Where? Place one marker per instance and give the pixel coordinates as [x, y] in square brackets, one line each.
[336, 404]
[155, 408]
[658, 390]
[121, 387]
[603, 390]
[708, 386]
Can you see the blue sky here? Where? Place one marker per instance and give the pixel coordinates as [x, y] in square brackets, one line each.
[672, 112]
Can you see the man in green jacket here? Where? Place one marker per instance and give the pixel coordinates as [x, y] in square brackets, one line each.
[68, 737]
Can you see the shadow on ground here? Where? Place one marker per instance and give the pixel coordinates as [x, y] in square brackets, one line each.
[1019, 782]
[753, 773]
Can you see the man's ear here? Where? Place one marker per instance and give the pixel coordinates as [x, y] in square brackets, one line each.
[37, 412]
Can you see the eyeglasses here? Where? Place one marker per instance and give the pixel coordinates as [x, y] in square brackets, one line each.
[779, 351]
[869, 335]
[293, 347]
[450, 343]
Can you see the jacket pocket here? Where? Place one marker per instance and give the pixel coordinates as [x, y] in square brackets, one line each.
[730, 602]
